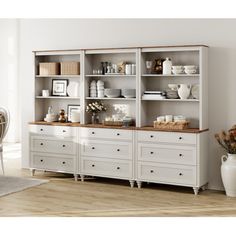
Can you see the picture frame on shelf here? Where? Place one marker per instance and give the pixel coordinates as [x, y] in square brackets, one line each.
[70, 108]
[59, 87]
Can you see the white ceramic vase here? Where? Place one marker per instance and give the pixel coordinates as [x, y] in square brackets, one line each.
[184, 91]
[228, 174]
[167, 64]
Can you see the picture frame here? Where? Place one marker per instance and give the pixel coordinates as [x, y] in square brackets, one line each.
[59, 87]
[70, 108]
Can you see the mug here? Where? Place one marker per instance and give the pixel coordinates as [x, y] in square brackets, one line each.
[45, 93]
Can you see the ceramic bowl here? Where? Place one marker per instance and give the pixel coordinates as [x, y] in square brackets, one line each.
[128, 93]
[112, 93]
[177, 67]
[173, 86]
[190, 67]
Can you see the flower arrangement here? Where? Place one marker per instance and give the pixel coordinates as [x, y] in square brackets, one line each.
[95, 107]
[228, 140]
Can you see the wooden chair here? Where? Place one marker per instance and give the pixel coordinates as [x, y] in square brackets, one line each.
[4, 124]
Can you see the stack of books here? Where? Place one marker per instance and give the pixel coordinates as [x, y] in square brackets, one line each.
[154, 95]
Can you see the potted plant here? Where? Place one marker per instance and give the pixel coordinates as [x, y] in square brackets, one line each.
[95, 108]
[228, 167]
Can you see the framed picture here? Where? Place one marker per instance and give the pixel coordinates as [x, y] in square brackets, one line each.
[71, 108]
[59, 87]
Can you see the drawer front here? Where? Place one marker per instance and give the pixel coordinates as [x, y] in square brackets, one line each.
[116, 134]
[184, 155]
[39, 144]
[167, 173]
[108, 168]
[113, 150]
[63, 131]
[167, 137]
[55, 163]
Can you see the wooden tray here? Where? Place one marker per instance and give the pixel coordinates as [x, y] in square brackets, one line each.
[113, 123]
[178, 125]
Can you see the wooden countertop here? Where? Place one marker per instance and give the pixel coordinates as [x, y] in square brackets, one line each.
[144, 128]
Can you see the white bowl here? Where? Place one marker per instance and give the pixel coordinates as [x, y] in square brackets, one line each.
[173, 86]
[177, 67]
[190, 67]
[128, 93]
[112, 93]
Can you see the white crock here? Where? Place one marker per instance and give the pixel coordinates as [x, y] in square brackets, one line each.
[184, 91]
[228, 174]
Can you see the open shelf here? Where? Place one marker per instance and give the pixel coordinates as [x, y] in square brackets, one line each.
[110, 76]
[56, 97]
[106, 98]
[172, 75]
[57, 76]
[170, 100]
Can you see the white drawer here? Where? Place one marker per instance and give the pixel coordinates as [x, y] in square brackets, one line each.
[117, 134]
[184, 155]
[114, 150]
[63, 131]
[54, 163]
[163, 173]
[167, 137]
[107, 168]
[41, 144]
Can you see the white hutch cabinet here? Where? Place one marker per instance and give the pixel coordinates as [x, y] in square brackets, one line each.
[139, 153]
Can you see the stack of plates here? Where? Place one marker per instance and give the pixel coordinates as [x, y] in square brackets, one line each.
[154, 95]
[172, 94]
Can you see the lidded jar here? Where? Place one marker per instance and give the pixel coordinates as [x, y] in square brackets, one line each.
[167, 64]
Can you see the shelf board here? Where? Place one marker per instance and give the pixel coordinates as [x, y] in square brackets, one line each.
[161, 75]
[133, 76]
[106, 98]
[170, 100]
[57, 97]
[57, 76]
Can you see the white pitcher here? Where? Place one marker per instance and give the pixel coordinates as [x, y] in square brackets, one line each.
[184, 91]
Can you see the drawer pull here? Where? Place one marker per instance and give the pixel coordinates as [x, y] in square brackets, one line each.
[118, 168]
[180, 174]
[41, 160]
[118, 150]
[118, 134]
[93, 165]
[151, 171]
[93, 132]
[63, 131]
[63, 145]
[93, 148]
[41, 129]
[180, 138]
[151, 136]
[41, 144]
[151, 152]
[181, 155]
[63, 162]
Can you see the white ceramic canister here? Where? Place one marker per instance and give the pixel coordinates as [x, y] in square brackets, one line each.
[45, 93]
[184, 91]
[167, 64]
[128, 69]
[133, 69]
[75, 116]
[228, 174]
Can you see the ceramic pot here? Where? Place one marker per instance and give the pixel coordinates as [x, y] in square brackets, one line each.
[184, 91]
[228, 174]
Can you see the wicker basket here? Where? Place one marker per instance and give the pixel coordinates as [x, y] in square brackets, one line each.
[49, 68]
[70, 68]
[178, 125]
[113, 123]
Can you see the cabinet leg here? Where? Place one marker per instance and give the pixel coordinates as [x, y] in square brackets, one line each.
[76, 177]
[131, 183]
[32, 172]
[82, 178]
[195, 190]
[204, 187]
[139, 183]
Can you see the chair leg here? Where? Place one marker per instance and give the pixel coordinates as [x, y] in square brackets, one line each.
[1, 157]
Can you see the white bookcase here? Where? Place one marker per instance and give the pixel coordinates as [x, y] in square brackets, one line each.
[139, 153]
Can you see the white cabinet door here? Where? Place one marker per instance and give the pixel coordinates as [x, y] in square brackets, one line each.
[116, 134]
[164, 173]
[113, 150]
[107, 168]
[184, 155]
[167, 137]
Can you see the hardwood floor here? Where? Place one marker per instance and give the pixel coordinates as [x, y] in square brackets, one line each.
[62, 196]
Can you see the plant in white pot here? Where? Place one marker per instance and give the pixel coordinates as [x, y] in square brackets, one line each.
[228, 162]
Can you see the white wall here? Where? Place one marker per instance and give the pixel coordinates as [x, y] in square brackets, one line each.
[220, 35]
[9, 74]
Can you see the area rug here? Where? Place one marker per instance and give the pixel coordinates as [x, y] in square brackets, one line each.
[10, 184]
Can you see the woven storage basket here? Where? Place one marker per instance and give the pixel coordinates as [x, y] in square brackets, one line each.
[113, 123]
[178, 125]
[49, 68]
[70, 68]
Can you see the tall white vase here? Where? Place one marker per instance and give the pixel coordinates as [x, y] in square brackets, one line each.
[184, 91]
[228, 174]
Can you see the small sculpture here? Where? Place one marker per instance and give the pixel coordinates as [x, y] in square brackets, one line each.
[158, 66]
[62, 117]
